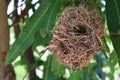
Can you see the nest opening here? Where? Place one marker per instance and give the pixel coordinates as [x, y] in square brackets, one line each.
[64, 48]
[80, 30]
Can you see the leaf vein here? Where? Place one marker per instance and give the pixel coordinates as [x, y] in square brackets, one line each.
[10, 57]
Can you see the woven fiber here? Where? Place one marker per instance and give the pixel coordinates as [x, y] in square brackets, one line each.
[78, 36]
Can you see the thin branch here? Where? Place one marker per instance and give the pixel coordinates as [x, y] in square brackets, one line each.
[41, 53]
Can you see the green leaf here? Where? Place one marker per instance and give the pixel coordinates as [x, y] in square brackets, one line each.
[76, 75]
[113, 58]
[57, 68]
[100, 73]
[39, 40]
[41, 18]
[113, 21]
[28, 2]
[48, 25]
[110, 50]
[85, 76]
[48, 75]
[69, 2]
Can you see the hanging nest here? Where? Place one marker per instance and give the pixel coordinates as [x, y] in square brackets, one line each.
[77, 37]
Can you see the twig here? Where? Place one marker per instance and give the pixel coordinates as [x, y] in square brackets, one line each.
[41, 53]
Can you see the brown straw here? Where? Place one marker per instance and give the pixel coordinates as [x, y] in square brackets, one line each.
[78, 36]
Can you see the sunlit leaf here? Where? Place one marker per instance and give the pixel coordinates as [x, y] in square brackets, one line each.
[39, 40]
[57, 68]
[113, 58]
[76, 75]
[37, 21]
[48, 75]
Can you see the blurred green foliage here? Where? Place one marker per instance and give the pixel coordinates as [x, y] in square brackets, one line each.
[38, 31]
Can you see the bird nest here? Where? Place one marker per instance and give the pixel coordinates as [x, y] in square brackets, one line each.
[77, 37]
